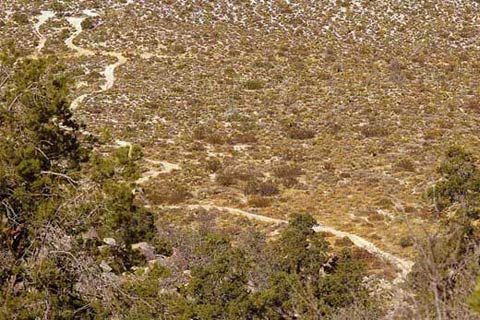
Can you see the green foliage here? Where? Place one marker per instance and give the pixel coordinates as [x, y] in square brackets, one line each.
[253, 84]
[40, 152]
[228, 283]
[49, 196]
[474, 299]
[147, 287]
[103, 168]
[50, 294]
[218, 288]
[122, 164]
[300, 249]
[343, 286]
[460, 180]
[300, 284]
[444, 273]
[129, 223]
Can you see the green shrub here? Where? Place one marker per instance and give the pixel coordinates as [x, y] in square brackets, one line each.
[20, 18]
[405, 164]
[88, 23]
[461, 179]
[287, 171]
[374, 131]
[263, 188]
[213, 165]
[253, 84]
[299, 133]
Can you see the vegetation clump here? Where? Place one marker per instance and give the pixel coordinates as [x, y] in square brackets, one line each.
[445, 273]
[253, 84]
[298, 132]
[53, 189]
[268, 110]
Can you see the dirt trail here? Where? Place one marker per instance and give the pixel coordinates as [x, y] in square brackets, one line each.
[166, 167]
[76, 22]
[404, 266]
[77, 101]
[41, 19]
[109, 71]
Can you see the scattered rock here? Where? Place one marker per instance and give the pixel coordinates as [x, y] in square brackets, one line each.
[103, 248]
[105, 267]
[231, 112]
[146, 249]
[110, 241]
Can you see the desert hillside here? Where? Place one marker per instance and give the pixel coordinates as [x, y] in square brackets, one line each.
[234, 117]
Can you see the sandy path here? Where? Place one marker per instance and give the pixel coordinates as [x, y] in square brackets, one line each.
[77, 101]
[109, 72]
[76, 22]
[404, 266]
[41, 19]
[165, 167]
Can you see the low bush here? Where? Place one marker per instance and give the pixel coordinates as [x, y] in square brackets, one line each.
[287, 171]
[253, 84]
[299, 133]
[213, 165]
[263, 188]
[259, 201]
[405, 164]
[225, 178]
[88, 23]
[168, 193]
[374, 131]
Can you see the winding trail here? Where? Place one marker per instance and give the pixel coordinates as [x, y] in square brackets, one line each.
[109, 71]
[76, 22]
[41, 19]
[404, 266]
[166, 167]
[78, 100]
